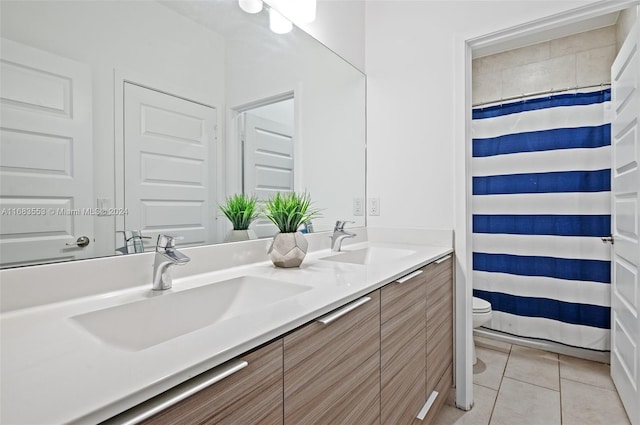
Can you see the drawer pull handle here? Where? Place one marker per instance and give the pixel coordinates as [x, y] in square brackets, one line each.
[427, 405]
[173, 396]
[328, 318]
[409, 276]
[443, 259]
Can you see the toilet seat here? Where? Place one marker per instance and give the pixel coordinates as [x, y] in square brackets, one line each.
[481, 306]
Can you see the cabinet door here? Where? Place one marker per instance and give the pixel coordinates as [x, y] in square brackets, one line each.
[439, 329]
[403, 355]
[332, 371]
[252, 395]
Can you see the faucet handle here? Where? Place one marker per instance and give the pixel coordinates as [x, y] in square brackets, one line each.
[340, 224]
[167, 241]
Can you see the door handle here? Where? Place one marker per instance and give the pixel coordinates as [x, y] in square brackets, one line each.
[81, 242]
[606, 239]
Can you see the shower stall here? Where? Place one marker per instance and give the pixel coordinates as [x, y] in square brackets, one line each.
[541, 204]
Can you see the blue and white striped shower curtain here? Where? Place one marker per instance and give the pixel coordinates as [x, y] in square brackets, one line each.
[541, 202]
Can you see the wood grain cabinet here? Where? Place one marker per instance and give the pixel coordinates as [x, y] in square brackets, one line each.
[253, 395]
[439, 340]
[332, 367]
[403, 350]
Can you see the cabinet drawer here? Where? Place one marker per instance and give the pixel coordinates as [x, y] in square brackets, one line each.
[332, 371]
[403, 365]
[250, 396]
[443, 387]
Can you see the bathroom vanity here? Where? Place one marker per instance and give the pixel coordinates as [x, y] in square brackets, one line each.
[378, 359]
[357, 336]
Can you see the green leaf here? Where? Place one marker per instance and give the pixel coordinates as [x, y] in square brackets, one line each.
[241, 210]
[289, 211]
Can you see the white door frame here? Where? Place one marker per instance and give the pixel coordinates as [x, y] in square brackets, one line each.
[233, 140]
[149, 82]
[513, 38]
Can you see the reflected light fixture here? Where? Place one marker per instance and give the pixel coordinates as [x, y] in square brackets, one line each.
[283, 12]
[298, 11]
[305, 11]
[250, 6]
[278, 23]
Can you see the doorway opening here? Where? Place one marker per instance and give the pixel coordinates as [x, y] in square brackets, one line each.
[527, 35]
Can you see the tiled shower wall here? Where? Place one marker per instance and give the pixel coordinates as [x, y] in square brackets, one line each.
[575, 60]
[625, 22]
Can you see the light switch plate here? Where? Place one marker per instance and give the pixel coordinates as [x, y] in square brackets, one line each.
[358, 206]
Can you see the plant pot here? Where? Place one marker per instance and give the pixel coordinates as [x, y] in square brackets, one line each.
[240, 235]
[288, 249]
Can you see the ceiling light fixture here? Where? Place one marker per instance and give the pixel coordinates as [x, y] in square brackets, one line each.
[250, 6]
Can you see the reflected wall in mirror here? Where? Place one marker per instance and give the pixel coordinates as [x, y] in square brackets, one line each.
[123, 120]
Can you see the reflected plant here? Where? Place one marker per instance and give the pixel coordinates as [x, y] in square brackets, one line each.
[289, 211]
[241, 210]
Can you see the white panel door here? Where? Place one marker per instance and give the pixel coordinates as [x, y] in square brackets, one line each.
[268, 163]
[46, 157]
[625, 185]
[169, 146]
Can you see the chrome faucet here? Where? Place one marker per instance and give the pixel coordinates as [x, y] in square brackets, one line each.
[339, 234]
[166, 256]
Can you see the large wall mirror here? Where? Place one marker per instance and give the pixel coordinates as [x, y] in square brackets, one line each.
[123, 119]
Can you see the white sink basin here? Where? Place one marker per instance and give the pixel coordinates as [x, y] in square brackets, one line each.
[370, 255]
[166, 315]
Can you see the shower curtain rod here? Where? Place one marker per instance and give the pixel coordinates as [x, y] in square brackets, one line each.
[539, 93]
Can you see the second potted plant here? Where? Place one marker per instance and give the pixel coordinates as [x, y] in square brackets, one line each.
[241, 210]
[288, 212]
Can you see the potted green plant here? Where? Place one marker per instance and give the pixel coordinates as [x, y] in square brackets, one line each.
[288, 212]
[241, 210]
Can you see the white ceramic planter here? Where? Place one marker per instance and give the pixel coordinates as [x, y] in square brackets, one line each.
[240, 235]
[288, 249]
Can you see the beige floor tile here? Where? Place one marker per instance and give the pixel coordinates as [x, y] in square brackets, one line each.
[585, 404]
[490, 368]
[484, 399]
[525, 404]
[492, 344]
[586, 371]
[534, 367]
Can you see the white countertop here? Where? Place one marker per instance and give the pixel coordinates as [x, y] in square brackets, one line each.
[54, 371]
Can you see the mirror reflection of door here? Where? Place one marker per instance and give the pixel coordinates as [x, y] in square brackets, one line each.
[46, 157]
[170, 169]
[268, 155]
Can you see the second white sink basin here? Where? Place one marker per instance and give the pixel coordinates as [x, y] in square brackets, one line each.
[166, 315]
[370, 255]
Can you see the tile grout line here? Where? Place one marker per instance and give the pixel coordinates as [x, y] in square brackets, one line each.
[560, 383]
[529, 383]
[493, 408]
[561, 410]
[613, 390]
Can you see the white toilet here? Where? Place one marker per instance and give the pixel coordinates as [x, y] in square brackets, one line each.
[481, 315]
